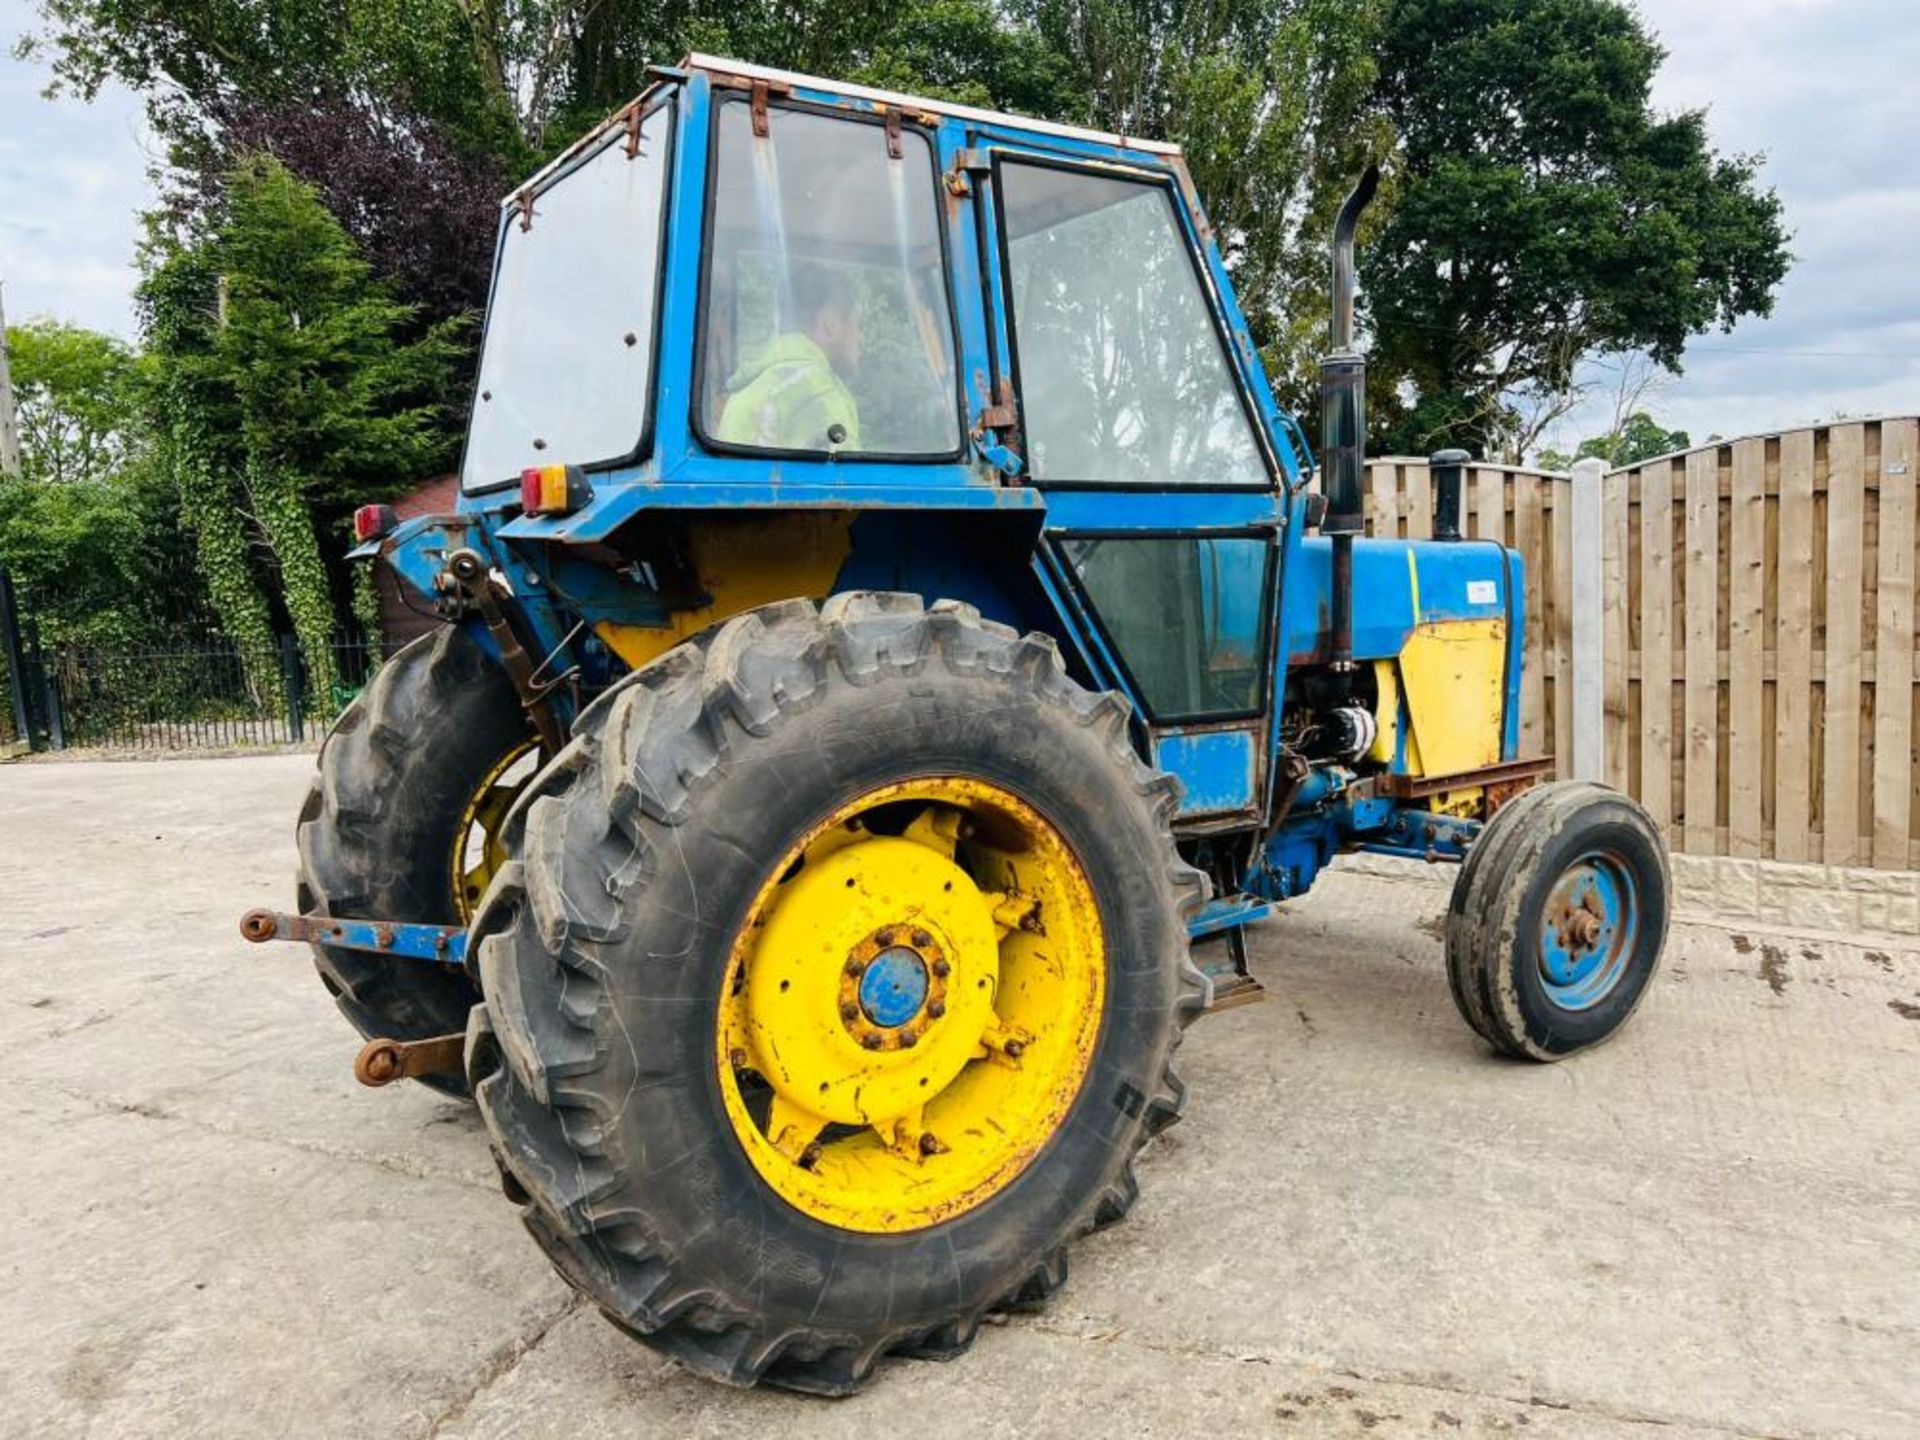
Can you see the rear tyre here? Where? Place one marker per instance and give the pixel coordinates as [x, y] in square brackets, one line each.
[410, 764]
[782, 884]
[1558, 920]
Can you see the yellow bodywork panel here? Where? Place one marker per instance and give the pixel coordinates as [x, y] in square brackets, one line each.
[883, 1120]
[1453, 674]
[743, 563]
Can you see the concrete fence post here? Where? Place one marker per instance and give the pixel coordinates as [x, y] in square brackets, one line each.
[1589, 636]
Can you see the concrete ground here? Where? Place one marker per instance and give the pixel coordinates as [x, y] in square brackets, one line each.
[1366, 1225]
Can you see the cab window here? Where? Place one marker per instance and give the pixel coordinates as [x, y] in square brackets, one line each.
[567, 366]
[1186, 614]
[827, 329]
[1123, 376]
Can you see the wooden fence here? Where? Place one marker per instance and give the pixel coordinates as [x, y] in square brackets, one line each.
[1759, 636]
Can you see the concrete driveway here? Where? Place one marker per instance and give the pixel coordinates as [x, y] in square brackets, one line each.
[1365, 1226]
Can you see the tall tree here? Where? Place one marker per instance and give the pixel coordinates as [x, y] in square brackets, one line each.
[1546, 214]
[1272, 102]
[290, 391]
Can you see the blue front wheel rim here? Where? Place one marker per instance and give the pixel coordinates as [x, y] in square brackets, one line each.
[1589, 932]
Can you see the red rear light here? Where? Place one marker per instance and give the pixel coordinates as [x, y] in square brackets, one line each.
[553, 490]
[373, 522]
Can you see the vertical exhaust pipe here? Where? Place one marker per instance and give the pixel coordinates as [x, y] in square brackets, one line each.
[1343, 422]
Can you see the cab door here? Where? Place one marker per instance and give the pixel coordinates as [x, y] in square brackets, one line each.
[1136, 417]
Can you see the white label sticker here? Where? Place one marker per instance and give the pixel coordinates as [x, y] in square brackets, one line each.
[1482, 592]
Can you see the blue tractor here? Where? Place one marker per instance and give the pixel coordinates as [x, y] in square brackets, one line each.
[894, 645]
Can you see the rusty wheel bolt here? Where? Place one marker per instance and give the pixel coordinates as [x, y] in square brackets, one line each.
[872, 1042]
[885, 937]
[1014, 1048]
[942, 969]
[810, 1156]
[849, 1011]
[922, 939]
[737, 1058]
[854, 967]
[936, 1008]
[908, 1040]
[930, 1144]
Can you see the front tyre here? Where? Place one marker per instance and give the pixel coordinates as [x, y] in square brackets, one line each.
[1558, 920]
[834, 988]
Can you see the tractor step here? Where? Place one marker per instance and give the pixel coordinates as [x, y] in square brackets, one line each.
[1232, 991]
[381, 1062]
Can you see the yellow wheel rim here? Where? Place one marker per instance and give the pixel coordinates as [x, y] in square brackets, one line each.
[912, 1005]
[479, 844]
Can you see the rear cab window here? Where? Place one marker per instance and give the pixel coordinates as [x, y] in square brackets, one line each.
[566, 369]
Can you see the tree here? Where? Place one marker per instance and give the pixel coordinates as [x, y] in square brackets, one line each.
[1272, 105]
[77, 395]
[1640, 437]
[89, 529]
[289, 393]
[1546, 213]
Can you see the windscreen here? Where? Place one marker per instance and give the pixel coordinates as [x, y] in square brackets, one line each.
[567, 366]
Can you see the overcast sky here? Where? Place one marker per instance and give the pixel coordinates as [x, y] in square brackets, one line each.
[1826, 89]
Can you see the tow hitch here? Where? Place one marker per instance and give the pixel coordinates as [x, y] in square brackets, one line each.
[440, 944]
[380, 1062]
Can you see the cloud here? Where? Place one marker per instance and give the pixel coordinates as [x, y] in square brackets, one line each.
[1822, 89]
[73, 180]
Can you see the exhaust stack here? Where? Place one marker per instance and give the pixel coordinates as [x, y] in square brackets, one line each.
[1343, 422]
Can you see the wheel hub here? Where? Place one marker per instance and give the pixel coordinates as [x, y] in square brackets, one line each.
[1587, 931]
[906, 1072]
[893, 986]
[873, 981]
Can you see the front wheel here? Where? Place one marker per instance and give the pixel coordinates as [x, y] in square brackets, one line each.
[1558, 920]
[834, 987]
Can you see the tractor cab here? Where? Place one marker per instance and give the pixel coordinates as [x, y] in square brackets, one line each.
[872, 323]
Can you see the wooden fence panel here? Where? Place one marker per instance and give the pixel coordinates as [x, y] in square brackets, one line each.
[1559, 583]
[1614, 606]
[1793, 654]
[1701, 577]
[1846, 538]
[1893, 701]
[1761, 633]
[1529, 516]
[1654, 584]
[1746, 648]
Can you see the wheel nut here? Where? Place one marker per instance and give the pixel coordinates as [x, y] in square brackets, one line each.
[849, 1011]
[810, 1156]
[930, 1144]
[942, 969]
[738, 1058]
[936, 1008]
[854, 967]
[922, 939]
[1014, 1048]
[885, 937]
[908, 1040]
[872, 1042]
